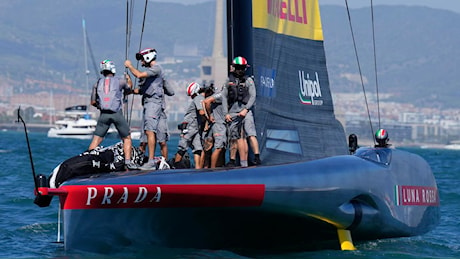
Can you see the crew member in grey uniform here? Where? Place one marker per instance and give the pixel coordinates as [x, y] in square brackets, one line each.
[215, 115]
[151, 88]
[163, 131]
[192, 127]
[238, 97]
[107, 96]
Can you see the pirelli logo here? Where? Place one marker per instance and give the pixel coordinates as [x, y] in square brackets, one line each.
[299, 18]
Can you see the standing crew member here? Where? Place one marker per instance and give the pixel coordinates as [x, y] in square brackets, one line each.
[107, 96]
[238, 97]
[151, 88]
[215, 115]
[162, 135]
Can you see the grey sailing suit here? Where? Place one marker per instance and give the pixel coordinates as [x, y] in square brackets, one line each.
[191, 135]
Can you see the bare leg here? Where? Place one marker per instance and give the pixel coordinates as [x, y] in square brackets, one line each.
[221, 158]
[233, 149]
[197, 158]
[142, 146]
[207, 152]
[151, 142]
[202, 159]
[164, 150]
[177, 157]
[254, 144]
[127, 144]
[95, 142]
[215, 157]
[243, 149]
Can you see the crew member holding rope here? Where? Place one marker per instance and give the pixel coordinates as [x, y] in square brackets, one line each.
[238, 97]
[152, 91]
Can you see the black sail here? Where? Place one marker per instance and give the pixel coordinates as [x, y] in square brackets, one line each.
[294, 110]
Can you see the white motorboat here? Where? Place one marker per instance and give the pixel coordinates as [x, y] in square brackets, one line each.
[453, 146]
[77, 123]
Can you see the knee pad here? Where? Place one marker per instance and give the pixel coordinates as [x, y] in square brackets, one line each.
[181, 152]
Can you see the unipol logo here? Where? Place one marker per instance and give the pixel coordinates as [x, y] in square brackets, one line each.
[310, 89]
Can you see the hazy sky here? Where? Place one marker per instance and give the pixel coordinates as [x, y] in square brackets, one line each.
[452, 5]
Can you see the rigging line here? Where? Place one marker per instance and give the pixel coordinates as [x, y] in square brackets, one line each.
[140, 46]
[359, 68]
[230, 42]
[125, 97]
[143, 26]
[129, 22]
[85, 45]
[127, 32]
[92, 56]
[87, 48]
[375, 62]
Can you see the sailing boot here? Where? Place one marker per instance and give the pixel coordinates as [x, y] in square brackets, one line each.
[130, 165]
[151, 165]
[256, 160]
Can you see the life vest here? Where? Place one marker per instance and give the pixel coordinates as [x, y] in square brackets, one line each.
[237, 90]
[109, 94]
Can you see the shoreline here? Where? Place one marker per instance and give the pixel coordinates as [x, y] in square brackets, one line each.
[43, 128]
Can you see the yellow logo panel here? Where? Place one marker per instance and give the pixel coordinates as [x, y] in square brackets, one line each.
[299, 18]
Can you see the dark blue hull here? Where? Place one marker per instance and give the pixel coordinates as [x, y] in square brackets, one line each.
[301, 204]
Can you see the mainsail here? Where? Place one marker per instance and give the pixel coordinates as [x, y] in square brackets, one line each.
[294, 110]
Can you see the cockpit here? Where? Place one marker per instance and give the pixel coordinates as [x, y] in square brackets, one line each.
[378, 155]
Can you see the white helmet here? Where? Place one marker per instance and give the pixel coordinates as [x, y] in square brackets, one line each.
[108, 65]
[193, 88]
[147, 55]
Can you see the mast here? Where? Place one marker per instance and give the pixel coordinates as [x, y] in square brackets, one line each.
[239, 31]
[86, 58]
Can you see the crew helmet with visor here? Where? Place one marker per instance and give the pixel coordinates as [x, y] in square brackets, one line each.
[107, 65]
[147, 55]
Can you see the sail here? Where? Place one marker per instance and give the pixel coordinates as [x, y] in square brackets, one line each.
[294, 110]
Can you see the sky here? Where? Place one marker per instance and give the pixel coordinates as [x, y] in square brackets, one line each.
[452, 5]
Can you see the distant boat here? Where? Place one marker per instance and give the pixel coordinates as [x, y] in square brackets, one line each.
[135, 133]
[77, 123]
[452, 146]
[309, 190]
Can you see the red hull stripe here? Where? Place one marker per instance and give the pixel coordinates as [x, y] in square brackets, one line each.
[417, 196]
[162, 196]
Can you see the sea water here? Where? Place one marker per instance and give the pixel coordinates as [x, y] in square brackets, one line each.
[28, 231]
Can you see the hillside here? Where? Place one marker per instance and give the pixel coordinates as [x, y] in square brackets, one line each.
[416, 47]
